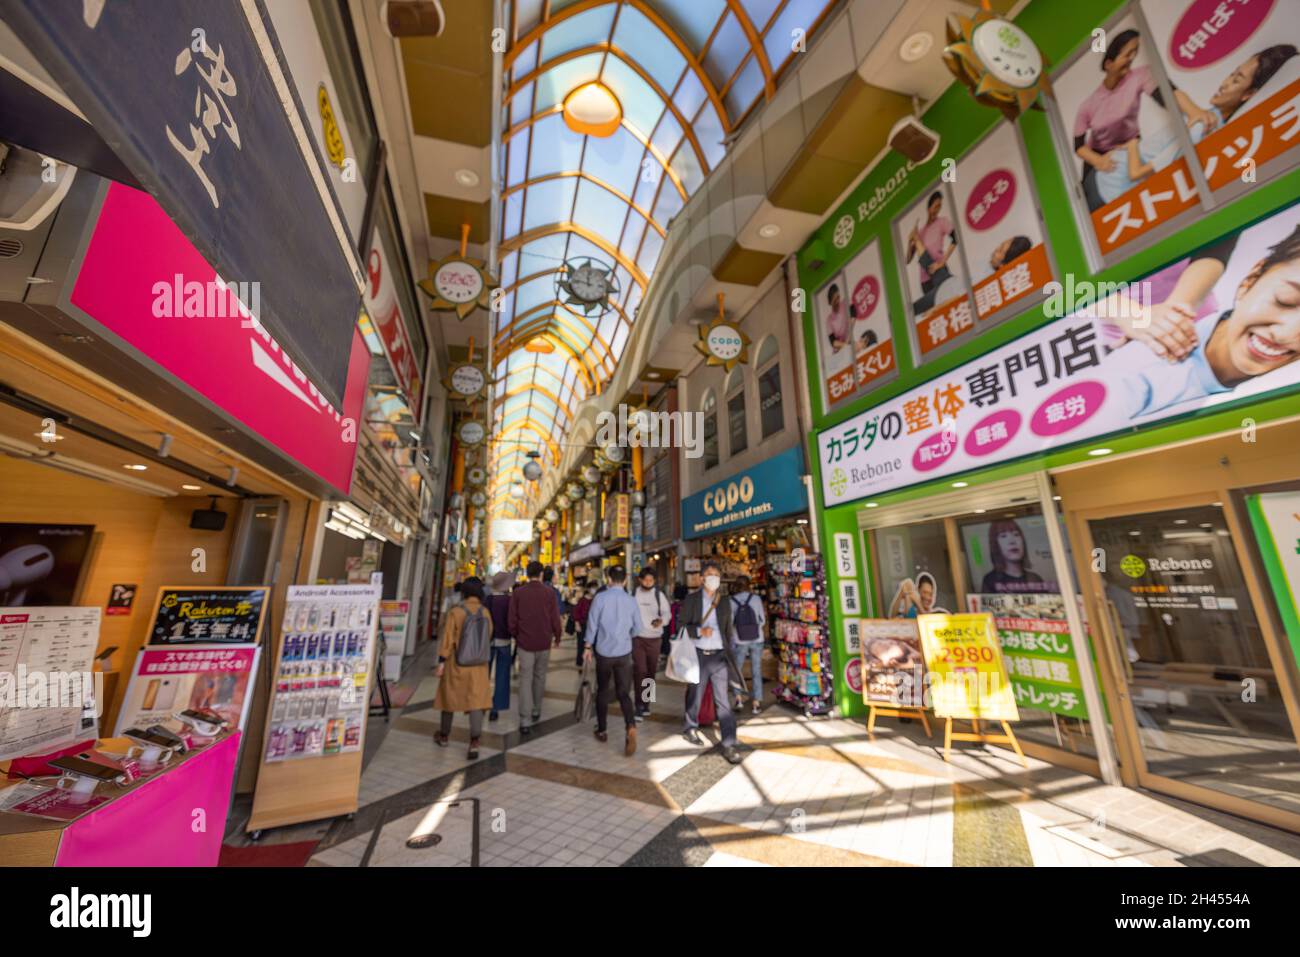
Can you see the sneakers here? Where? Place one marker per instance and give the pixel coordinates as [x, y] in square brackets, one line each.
[693, 736]
[537, 716]
[440, 739]
[492, 715]
[629, 746]
[640, 716]
[756, 708]
[473, 749]
[601, 736]
[732, 755]
[526, 731]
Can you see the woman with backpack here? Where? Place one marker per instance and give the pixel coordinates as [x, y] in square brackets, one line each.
[463, 665]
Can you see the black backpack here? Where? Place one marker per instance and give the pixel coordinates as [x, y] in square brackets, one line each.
[746, 622]
[475, 642]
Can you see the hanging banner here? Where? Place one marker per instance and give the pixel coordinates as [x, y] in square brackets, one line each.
[194, 100]
[855, 347]
[968, 679]
[1237, 72]
[1097, 371]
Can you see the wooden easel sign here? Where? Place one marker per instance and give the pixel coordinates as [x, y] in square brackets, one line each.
[894, 666]
[967, 678]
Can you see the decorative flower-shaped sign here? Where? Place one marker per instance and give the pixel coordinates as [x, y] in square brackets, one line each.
[465, 381]
[723, 344]
[458, 284]
[471, 433]
[997, 61]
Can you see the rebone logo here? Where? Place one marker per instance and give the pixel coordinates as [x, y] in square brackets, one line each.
[1134, 566]
[75, 910]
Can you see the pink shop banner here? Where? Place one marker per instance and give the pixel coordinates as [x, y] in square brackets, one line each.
[142, 280]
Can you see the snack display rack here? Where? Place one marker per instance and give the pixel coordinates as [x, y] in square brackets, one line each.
[800, 633]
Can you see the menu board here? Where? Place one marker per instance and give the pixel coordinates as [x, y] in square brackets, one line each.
[47, 690]
[968, 679]
[893, 662]
[221, 615]
[168, 679]
[322, 679]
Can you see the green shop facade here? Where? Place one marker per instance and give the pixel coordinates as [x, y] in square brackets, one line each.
[1055, 376]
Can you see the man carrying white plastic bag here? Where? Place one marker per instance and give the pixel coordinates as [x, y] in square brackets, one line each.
[702, 655]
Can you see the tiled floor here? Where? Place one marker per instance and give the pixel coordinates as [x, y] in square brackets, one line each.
[808, 793]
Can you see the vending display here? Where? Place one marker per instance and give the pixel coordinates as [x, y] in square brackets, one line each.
[322, 679]
[797, 596]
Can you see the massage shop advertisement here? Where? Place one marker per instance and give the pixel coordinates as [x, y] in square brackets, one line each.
[1182, 341]
[169, 679]
[855, 347]
[1237, 69]
[985, 222]
[967, 676]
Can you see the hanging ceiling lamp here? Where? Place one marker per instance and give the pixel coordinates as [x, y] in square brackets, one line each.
[532, 468]
[517, 490]
[592, 110]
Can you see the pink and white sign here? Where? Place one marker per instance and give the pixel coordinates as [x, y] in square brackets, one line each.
[1089, 374]
[230, 360]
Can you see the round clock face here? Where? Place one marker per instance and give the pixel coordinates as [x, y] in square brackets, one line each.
[615, 453]
[470, 433]
[478, 499]
[588, 283]
[458, 282]
[1008, 53]
[476, 476]
[724, 342]
[467, 380]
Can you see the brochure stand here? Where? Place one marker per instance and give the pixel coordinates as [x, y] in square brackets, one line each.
[315, 726]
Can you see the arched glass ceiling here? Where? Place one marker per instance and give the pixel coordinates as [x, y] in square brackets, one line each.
[686, 73]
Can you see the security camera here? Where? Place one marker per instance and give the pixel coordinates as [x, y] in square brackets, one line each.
[21, 568]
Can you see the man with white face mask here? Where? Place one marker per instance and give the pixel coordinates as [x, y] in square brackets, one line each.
[706, 616]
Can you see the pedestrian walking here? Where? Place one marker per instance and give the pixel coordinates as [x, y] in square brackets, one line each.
[580, 612]
[613, 622]
[535, 625]
[498, 604]
[655, 616]
[749, 618]
[706, 616]
[463, 665]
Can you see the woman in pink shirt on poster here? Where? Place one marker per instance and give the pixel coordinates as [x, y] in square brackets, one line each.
[1108, 119]
[927, 241]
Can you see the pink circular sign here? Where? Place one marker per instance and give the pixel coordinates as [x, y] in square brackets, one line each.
[991, 199]
[866, 296]
[1210, 30]
[1068, 408]
[992, 432]
[934, 451]
[853, 674]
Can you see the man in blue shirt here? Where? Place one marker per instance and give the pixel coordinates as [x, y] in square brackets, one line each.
[613, 620]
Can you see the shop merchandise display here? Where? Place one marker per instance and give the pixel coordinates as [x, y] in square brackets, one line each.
[800, 633]
[322, 677]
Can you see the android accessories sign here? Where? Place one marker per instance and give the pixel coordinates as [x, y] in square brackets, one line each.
[1084, 376]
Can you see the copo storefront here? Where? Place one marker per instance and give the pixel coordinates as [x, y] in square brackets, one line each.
[1108, 467]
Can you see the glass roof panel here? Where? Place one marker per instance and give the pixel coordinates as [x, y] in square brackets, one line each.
[626, 170]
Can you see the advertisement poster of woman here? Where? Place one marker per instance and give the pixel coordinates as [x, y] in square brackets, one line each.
[1237, 68]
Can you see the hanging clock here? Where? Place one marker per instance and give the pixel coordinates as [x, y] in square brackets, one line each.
[457, 284]
[465, 381]
[471, 433]
[586, 285]
[478, 498]
[477, 476]
[997, 61]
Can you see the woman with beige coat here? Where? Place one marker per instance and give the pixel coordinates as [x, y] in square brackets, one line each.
[462, 687]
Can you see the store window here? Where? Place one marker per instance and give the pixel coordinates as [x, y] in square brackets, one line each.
[710, 409]
[771, 412]
[915, 571]
[737, 432]
[1205, 699]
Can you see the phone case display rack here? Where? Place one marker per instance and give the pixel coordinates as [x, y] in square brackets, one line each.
[801, 633]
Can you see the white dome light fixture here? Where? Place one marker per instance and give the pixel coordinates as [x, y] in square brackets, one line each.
[532, 468]
[517, 490]
[592, 109]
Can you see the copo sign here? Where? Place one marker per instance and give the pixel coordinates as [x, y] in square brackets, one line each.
[728, 496]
